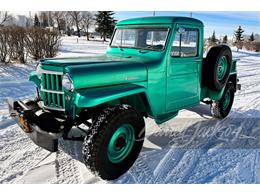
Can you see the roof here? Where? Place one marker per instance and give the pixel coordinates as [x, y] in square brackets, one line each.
[160, 20]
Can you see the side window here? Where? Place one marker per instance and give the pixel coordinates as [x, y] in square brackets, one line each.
[185, 43]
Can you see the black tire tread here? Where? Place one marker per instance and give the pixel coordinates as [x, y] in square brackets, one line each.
[216, 106]
[96, 136]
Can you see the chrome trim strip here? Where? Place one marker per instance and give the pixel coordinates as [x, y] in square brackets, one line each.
[53, 108]
[52, 91]
[51, 72]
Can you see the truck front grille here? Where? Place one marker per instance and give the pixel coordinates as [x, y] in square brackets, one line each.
[52, 91]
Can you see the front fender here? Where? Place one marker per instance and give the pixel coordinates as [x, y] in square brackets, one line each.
[33, 77]
[91, 97]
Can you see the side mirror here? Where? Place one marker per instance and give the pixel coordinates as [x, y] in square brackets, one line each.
[181, 30]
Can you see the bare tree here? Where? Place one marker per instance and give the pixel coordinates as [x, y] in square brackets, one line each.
[50, 17]
[4, 34]
[5, 18]
[77, 18]
[44, 20]
[88, 20]
[69, 23]
[58, 16]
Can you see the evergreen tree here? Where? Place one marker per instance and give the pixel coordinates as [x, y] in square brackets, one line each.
[105, 23]
[213, 39]
[239, 38]
[252, 37]
[239, 34]
[225, 39]
[36, 21]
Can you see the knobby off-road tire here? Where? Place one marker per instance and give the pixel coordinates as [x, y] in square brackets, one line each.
[217, 66]
[115, 141]
[221, 108]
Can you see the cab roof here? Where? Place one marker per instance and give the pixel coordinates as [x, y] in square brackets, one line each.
[160, 20]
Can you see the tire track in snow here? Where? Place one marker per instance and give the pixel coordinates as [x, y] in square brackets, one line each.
[67, 170]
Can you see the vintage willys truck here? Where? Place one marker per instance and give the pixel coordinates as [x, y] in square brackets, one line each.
[153, 67]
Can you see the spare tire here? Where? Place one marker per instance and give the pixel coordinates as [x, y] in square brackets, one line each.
[216, 67]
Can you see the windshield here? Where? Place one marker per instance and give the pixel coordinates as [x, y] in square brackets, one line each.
[140, 38]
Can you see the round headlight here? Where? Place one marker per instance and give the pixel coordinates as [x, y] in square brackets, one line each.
[67, 83]
[39, 71]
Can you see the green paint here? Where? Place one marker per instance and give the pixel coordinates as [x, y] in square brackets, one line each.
[121, 143]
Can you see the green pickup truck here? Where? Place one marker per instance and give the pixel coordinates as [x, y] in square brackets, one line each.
[153, 67]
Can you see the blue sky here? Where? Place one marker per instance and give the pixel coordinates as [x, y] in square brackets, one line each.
[224, 23]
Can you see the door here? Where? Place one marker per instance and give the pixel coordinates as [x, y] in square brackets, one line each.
[183, 69]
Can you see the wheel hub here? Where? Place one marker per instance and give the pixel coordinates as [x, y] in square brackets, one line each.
[226, 100]
[222, 67]
[121, 143]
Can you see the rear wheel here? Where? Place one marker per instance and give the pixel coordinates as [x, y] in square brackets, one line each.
[115, 141]
[221, 108]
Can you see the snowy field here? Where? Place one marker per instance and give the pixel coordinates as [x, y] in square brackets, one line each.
[192, 148]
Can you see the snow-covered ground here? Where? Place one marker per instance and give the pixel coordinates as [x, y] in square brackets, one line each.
[192, 148]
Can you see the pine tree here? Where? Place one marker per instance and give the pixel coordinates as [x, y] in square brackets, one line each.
[225, 39]
[239, 34]
[252, 37]
[239, 38]
[213, 39]
[36, 21]
[105, 23]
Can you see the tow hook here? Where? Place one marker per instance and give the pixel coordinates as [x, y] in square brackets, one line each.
[25, 126]
[238, 86]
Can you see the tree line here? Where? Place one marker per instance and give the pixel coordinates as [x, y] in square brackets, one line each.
[103, 22]
[239, 40]
[41, 35]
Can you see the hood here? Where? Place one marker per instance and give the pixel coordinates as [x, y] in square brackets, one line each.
[100, 71]
[70, 61]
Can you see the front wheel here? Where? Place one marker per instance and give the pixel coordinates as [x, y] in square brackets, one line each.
[115, 141]
[221, 108]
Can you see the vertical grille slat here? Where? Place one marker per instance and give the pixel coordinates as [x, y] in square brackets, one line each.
[57, 82]
[47, 81]
[51, 83]
[43, 81]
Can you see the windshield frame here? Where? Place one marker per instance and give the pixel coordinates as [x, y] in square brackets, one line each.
[142, 27]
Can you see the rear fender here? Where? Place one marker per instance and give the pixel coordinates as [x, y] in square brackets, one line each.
[216, 95]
